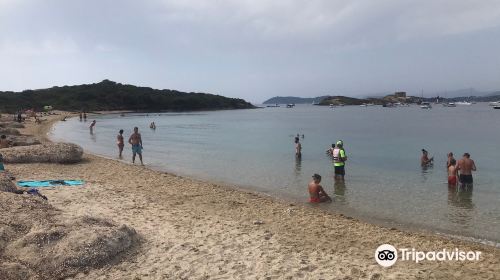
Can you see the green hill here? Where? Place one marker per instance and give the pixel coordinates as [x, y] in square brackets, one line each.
[109, 95]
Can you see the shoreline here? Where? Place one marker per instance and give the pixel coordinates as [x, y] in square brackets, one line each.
[349, 213]
[227, 228]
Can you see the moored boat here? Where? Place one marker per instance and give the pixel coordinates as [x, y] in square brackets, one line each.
[425, 105]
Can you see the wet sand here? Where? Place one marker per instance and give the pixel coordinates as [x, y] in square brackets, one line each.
[199, 230]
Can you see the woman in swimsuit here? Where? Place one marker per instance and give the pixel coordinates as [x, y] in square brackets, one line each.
[119, 142]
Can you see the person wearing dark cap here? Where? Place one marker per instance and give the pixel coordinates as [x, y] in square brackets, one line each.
[425, 160]
[316, 192]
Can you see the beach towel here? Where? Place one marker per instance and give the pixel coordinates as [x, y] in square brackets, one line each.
[50, 183]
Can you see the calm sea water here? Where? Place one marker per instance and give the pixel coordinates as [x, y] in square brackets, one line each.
[384, 181]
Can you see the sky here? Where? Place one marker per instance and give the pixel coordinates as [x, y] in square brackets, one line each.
[253, 49]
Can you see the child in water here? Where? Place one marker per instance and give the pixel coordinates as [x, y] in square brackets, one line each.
[452, 173]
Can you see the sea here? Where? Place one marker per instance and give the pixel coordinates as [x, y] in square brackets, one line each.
[385, 183]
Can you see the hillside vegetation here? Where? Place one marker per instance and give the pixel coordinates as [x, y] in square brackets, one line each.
[109, 95]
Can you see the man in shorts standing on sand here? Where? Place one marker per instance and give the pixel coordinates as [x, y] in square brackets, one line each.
[136, 141]
[465, 166]
[316, 192]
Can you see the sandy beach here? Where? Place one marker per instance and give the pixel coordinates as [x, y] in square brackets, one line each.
[191, 229]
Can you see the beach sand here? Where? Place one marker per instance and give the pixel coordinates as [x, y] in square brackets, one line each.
[198, 230]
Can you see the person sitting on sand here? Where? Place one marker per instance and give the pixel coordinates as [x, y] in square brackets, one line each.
[92, 125]
[316, 192]
[4, 143]
[466, 166]
[120, 142]
[136, 141]
[452, 173]
[450, 157]
[425, 160]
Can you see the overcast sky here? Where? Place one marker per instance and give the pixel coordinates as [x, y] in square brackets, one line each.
[253, 49]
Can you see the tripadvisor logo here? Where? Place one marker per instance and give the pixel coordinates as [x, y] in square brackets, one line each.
[386, 255]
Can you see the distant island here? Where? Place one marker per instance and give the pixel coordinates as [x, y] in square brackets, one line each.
[397, 97]
[294, 100]
[108, 95]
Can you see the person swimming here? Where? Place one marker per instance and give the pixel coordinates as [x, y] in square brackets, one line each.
[152, 125]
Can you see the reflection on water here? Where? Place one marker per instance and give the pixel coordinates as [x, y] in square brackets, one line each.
[93, 136]
[460, 205]
[460, 197]
[339, 189]
[427, 171]
[298, 166]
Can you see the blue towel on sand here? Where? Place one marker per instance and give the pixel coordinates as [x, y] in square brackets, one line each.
[50, 183]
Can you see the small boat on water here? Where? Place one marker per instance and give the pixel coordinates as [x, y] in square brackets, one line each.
[332, 106]
[290, 105]
[449, 104]
[463, 103]
[496, 107]
[494, 103]
[425, 105]
[273, 106]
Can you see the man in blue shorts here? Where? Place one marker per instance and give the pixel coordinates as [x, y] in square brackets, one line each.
[136, 141]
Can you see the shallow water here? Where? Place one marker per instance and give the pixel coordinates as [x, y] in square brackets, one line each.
[254, 148]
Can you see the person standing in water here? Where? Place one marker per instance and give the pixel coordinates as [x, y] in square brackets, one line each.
[425, 160]
[465, 166]
[339, 159]
[450, 158]
[84, 116]
[316, 192]
[136, 141]
[92, 125]
[298, 147]
[452, 173]
[120, 143]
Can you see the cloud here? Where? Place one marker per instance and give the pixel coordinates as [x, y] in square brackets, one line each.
[253, 48]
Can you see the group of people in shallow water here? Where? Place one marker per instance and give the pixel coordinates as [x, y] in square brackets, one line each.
[337, 152]
[458, 171]
[135, 140]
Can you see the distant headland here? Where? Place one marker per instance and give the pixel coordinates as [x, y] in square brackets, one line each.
[397, 97]
[108, 95]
